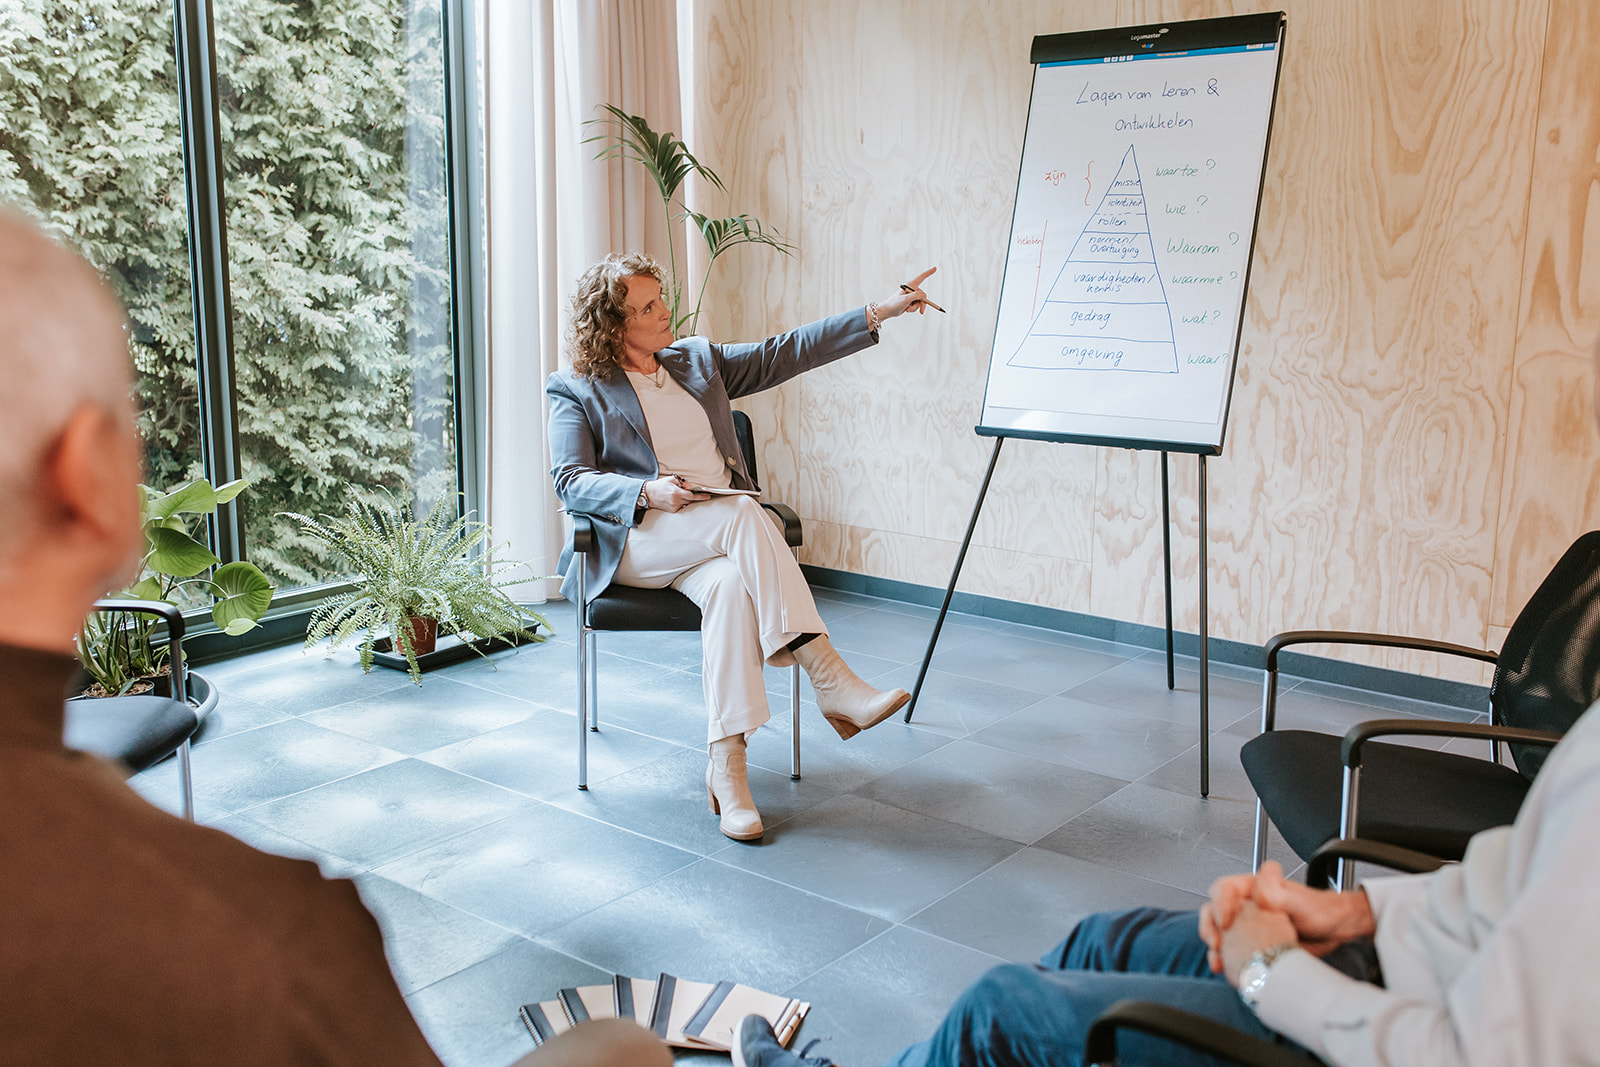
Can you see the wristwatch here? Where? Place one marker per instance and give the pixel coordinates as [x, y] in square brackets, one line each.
[1253, 975]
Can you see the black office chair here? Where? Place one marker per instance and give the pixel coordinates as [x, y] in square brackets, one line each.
[140, 731]
[622, 607]
[1317, 786]
[1205, 1035]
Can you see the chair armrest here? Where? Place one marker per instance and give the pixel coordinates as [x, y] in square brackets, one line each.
[1184, 1028]
[1352, 637]
[792, 534]
[1359, 734]
[582, 532]
[1323, 862]
[167, 613]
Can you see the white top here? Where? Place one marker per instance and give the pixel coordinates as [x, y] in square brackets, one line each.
[1489, 961]
[680, 432]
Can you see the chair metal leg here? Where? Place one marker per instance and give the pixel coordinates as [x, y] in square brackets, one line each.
[1259, 854]
[1347, 825]
[583, 708]
[184, 781]
[794, 719]
[594, 680]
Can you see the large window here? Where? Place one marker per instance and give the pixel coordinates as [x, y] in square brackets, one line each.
[90, 145]
[333, 137]
[329, 186]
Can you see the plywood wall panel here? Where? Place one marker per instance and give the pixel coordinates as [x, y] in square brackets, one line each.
[1409, 356]
[1552, 485]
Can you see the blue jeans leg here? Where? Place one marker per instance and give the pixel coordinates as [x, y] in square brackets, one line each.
[1019, 1015]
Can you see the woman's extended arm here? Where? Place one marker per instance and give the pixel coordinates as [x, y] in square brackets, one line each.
[750, 368]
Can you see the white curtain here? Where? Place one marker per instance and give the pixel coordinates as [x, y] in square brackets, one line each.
[552, 210]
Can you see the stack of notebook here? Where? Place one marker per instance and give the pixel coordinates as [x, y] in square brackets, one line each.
[688, 1014]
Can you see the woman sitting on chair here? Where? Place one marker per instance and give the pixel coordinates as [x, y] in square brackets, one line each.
[643, 418]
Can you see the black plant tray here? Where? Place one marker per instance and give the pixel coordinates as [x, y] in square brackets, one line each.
[451, 648]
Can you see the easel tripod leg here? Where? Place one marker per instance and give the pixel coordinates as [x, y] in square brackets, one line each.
[1205, 650]
[961, 557]
[1166, 557]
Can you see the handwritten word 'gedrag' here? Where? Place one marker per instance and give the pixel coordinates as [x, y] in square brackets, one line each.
[1175, 121]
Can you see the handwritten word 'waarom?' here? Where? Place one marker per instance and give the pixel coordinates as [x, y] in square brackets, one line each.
[1190, 248]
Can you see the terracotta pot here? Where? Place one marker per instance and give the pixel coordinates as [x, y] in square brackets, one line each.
[424, 634]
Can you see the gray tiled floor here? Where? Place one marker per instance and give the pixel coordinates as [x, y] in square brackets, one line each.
[1046, 776]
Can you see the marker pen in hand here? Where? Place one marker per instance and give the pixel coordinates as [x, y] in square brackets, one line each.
[904, 288]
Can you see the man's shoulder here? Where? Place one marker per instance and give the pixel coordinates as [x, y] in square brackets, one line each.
[114, 910]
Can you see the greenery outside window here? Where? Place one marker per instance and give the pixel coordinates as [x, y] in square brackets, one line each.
[320, 157]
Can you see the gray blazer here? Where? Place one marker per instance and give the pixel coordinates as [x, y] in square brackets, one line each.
[600, 445]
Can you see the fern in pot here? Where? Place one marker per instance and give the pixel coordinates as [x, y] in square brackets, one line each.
[415, 579]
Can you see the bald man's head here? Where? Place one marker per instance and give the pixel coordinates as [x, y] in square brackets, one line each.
[62, 346]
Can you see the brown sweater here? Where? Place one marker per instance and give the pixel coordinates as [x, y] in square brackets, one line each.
[129, 936]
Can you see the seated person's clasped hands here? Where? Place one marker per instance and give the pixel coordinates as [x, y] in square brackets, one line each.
[1257, 913]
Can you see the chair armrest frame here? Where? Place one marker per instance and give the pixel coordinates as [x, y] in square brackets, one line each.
[1278, 642]
[1184, 1028]
[1362, 732]
[793, 534]
[583, 539]
[170, 614]
[1323, 862]
[1359, 734]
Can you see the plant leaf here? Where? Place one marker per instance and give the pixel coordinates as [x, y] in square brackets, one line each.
[176, 553]
[148, 588]
[243, 596]
[192, 498]
[229, 490]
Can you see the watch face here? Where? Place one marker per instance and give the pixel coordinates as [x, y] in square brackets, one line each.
[1251, 981]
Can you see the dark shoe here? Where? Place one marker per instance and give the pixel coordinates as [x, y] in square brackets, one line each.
[755, 1045]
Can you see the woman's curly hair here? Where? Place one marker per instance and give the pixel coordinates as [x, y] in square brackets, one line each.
[599, 310]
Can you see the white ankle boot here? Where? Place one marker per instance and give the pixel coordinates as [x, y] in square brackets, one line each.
[849, 704]
[728, 787]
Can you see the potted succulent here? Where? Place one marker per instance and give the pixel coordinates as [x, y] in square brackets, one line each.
[415, 579]
[122, 652]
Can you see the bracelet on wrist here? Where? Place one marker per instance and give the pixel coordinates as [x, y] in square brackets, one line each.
[873, 322]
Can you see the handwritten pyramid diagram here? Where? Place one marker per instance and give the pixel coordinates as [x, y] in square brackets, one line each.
[1107, 308]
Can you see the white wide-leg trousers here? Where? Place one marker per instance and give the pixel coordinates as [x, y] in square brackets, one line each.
[728, 557]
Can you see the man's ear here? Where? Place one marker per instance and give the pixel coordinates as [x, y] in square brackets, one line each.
[91, 485]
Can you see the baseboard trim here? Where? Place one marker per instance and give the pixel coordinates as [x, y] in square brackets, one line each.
[1240, 653]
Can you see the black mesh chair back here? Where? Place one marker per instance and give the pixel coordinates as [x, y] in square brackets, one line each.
[1549, 668]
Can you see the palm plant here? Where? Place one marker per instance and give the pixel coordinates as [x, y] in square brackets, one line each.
[439, 568]
[669, 162]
